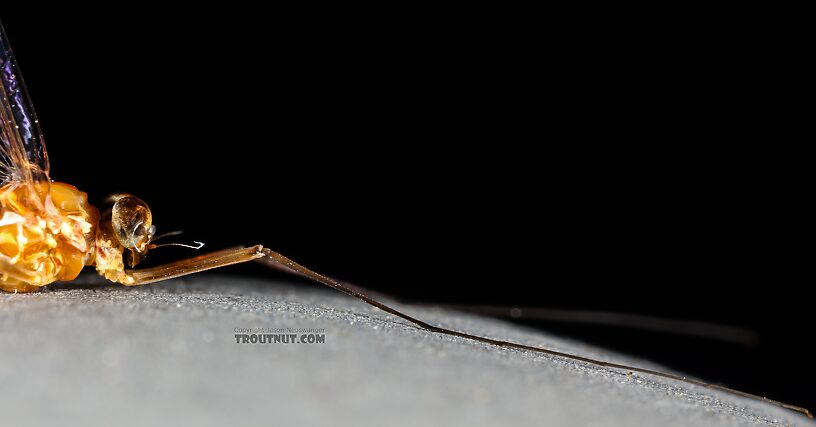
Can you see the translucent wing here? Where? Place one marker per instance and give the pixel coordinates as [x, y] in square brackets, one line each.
[23, 158]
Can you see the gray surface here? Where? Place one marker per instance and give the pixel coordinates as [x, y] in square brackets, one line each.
[167, 354]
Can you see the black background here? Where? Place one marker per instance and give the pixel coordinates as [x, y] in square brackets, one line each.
[456, 159]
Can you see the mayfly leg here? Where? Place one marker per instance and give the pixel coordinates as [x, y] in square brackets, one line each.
[280, 262]
[204, 262]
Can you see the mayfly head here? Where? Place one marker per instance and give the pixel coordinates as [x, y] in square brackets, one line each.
[132, 224]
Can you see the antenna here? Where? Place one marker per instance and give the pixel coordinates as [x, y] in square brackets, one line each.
[197, 245]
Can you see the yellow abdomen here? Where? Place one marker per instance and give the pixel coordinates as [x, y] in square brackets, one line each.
[44, 241]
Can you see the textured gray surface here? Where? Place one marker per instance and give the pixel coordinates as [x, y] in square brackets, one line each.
[167, 354]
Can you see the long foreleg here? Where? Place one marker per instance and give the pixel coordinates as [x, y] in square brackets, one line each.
[280, 262]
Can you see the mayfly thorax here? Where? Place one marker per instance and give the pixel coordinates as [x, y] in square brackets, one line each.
[49, 232]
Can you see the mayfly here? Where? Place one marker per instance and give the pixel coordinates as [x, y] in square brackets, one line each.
[49, 232]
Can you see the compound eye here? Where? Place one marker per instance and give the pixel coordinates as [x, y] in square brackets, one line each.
[132, 221]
